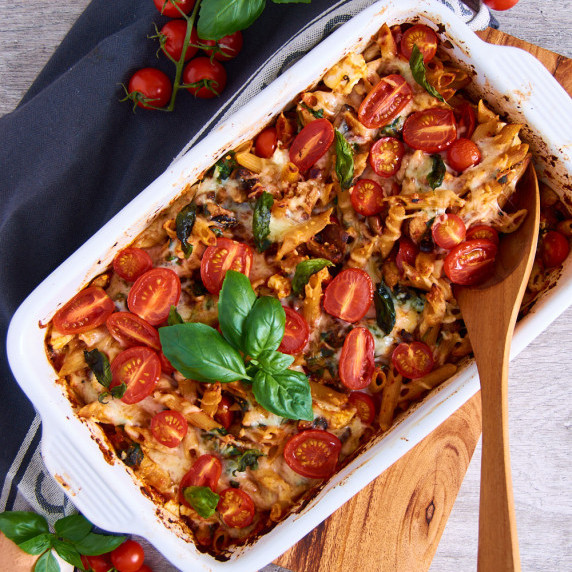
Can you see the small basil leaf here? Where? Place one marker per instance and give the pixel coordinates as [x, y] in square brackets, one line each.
[99, 365]
[384, 308]
[174, 317]
[199, 352]
[47, 563]
[344, 161]
[264, 326]
[119, 390]
[394, 128]
[202, 499]
[274, 362]
[286, 394]
[317, 113]
[68, 553]
[184, 223]
[20, 526]
[38, 544]
[218, 18]
[418, 71]
[73, 527]
[132, 456]
[261, 221]
[96, 544]
[225, 166]
[437, 174]
[247, 459]
[305, 269]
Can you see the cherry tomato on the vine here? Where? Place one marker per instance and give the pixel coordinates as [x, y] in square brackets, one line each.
[554, 248]
[448, 230]
[175, 32]
[171, 8]
[313, 453]
[204, 77]
[266, 142]
[500, 4]
[423, 37]
[412, 360]
[462, 154]
[367, 197]
[128, 557]
[150, 88]
[88, 309]
[131, 262]
[356, 359]
[226, 48]
[385, 156]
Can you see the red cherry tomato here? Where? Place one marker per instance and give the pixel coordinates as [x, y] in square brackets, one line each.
[349, 295]
[356, 360]
[153, 294]
[313, 453]
[225, 255]
[227, 47]
[500, 4]
[311, 143]
[128, 557]
[145, 568]
[471, 262]
[483, 231]
[166, 366]
[169, 7]
[205, 472]
[85, 311]
[367, 197]
[265, 143]
[139, 368]
[364, 404]
[431, 130]
[462, 154]
[206, 77]
[100, 563]
[175, 32]
[422, 36]
[412, 360]
[169, 428]
[296, 333]
[407, 252]
[130, 263]
[236, 508]
[466, 120]
[384, 102]
[130, 330]
[385, 156]
[224, 415]
[554, 248]
[151, 88]
[448, 230]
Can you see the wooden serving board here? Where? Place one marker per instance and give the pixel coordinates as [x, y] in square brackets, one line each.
[396, 522]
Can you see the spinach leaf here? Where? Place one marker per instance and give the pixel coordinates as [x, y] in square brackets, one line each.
[286, 394]
[73, 527]
[384, 308]
[202, 499]
[20, 526]
[184, 223]
[264, 326]
[437, 174]
[261, 221]
[200, 352]
[96, 544]
[305, 269]
[174, 317]
[235, 302]
[218, 18]
[344, 161]
[247, 459]
[68, 553]
[38, 544]
[99, 365]
[274, 362]
[419, 73]
[47, 563]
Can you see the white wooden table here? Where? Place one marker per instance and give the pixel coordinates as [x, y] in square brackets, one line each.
[540, 419]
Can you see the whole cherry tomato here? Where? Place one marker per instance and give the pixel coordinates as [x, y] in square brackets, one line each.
[128, 557]
[423, 37]
[206, 77]
[554, 248]
[500, 4]
[226, 48]
[150, 87]
[175, 32]
[100, 563]
[171, 8]
[462, 154]
[266, 142]
[407, 252]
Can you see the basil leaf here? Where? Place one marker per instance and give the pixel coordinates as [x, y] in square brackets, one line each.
[132, 456]
[73, 527]
[384, 308]
[119, 390]
[394, 128]
[99, 365]
[184, 223]
[418, 71]
[291, 1]
[264, 326]
[305, 269]
[261, 221]
[286, 394]
[218, 18]
[235, 302]
[225, 166]
[174, 317]
[274, 362]
[437, 174]
[68, 553]
[38, 544]
[47, 563]
[199, 352]
[20, 526]
[247, 459]
[96, 544]
[202, 499]
[317, 113]
[344, 161]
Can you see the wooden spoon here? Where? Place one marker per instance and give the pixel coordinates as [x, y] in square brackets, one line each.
[490, 311]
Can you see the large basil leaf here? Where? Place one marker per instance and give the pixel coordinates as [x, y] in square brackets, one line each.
[305, 269]
[218, 18]
[235, 302]
[418, 71]
[199, 352]
[437, 174]
[384, 308]
[202, 499]
[344, 161]
[74, 527]
[286, 394]
[68, 553]
[291, 1]
[20, 526]
[47, 563]
[274, 362]
[37, 545]
[264, 326]
[184, 224]
[99, 365]
[261, 221]
[96, 544]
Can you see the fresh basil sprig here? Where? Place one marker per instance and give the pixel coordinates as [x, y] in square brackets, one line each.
[305, 269]
[437, 174]
[344, 161]
[99, 364]
[202, 499]
[261, 221]
[419, 72]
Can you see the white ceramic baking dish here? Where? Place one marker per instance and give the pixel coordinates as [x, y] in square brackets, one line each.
[511, 80]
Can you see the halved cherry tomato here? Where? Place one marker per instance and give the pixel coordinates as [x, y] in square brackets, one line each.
[224, 415]
[225, 255]
[85, 311]
[466, 120]
[407, 252]
[412, 360]
[206, 77]
[166, 366]
[175, 32]
[554, 248]
[131, 330]
[500, 4]
[153, 294]
[448, 230]
[100, 563]
[471, 262]
[205, 472]
[128, 557]
[169, 427]
[169, 7]
[431, 130]
[227, 47]
[265, 143]
[483, 231]
[422, 36]
[349, 295]
[139, 368]
[384, 102]
[367, 197]
[311, 143]
[364, 404]
[385, 156]
[313, 453]
[356, 359]
[130, 263]
[296, 333]
[462, 154]
[236, 508]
